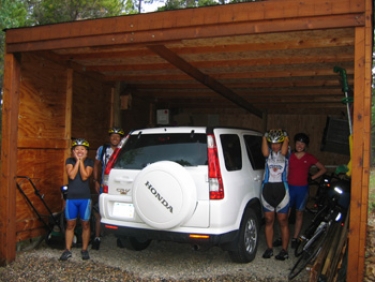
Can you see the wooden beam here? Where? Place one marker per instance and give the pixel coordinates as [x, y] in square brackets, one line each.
[216, 64]
[204, 78]
[11, 98]
[288, 13]
[341, 39]
[175, 34]
[290, 82]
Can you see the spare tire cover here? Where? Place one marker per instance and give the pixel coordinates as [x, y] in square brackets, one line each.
[164, 195]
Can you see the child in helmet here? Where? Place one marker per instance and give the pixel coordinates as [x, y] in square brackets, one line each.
[275, 195]
[300, 163]
[103, 154]
[78, 201]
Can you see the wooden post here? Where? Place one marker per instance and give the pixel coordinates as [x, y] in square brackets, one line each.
[361, 143]
[9, 159]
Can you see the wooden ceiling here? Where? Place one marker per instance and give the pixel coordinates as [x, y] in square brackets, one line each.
[266, 57]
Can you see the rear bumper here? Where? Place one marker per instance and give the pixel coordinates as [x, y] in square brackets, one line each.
[207, 240]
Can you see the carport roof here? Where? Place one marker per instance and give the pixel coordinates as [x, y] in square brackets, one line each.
[269, 56]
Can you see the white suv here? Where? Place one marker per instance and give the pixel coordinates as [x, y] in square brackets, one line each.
[199, 185]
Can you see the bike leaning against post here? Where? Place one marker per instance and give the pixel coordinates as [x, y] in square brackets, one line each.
[334, 211]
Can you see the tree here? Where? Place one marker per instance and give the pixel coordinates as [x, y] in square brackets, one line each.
[12, 14]
[57, 11]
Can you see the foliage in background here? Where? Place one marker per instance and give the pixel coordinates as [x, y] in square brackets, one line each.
[183, 4]
[12, 14]
[57, 11]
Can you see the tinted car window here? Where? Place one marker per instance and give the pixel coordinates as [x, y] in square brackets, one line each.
[140, 150]
[231, 151]
[254, 151]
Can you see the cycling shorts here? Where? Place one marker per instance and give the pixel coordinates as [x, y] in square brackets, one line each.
[298, 196]
[275, 197]
[75, 208]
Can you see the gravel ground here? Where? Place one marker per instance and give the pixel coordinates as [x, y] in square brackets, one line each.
[161, 261]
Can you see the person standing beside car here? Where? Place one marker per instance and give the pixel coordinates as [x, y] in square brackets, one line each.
[275, 194]
[78, 201]
[103, 154]
[300, 163]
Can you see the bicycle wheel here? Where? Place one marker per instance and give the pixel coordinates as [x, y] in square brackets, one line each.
[310, 252]
[301, 243]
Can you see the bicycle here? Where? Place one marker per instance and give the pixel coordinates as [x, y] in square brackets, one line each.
[319, 189]
[311, 247]
[312, 241]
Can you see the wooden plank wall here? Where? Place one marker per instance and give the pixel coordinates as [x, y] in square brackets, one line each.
[91, 110]
[41, 140]
[44, 138]
[137, 115]
[312, 125]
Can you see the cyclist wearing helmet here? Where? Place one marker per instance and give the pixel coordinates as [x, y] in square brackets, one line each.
[275, 195]
[78, 200]
[300, 163]
[101, 159]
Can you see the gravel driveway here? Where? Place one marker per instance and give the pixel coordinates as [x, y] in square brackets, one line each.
[161, 261]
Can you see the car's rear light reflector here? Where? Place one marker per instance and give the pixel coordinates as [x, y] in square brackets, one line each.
[111, 227]
[199, 236]
[214, 174]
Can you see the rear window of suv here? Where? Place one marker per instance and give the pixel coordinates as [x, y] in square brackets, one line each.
[254, 151]
[186, 149]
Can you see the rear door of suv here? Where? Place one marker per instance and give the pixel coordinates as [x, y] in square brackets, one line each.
[159, 180]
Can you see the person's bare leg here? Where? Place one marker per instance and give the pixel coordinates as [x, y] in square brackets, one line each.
[298, 223]
[85, 234]
[269, 222]
[69, 233]
[284, 228]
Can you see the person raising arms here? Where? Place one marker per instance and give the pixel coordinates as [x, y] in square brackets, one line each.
[275, 195]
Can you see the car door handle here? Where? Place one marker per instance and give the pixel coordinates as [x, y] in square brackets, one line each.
[124, 179]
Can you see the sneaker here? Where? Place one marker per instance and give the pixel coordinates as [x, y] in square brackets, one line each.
[283, 255]
[85, 255]
[95, 245]
[65, 255]
[294, 243]
[278, 242]
[268, 253]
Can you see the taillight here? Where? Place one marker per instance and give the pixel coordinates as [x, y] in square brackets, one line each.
[108, 168]
[214, 174]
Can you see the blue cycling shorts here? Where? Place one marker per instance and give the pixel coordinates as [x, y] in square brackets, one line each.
[75, 208]
[298, 196]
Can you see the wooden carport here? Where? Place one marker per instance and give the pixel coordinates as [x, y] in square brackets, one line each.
[256, 64]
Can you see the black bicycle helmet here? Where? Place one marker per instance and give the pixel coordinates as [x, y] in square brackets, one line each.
[116, 130]
[80, 142]
[302, 137]
[275, 136]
